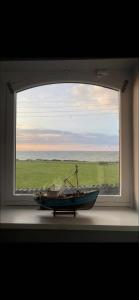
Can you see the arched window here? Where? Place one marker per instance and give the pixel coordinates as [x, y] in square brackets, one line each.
[60, 125]
[58, 113]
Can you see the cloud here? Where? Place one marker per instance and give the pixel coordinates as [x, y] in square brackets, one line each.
[65, 106]
[72, 97]
[59, 137]
[97, 98]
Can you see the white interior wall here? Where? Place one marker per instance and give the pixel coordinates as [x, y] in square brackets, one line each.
[22, 75]
[136, 136]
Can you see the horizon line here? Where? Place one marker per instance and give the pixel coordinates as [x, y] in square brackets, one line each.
[67, 151]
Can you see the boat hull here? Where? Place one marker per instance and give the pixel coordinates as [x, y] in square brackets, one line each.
[85, 201]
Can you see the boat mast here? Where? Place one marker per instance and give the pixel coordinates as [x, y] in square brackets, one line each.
[76, 173]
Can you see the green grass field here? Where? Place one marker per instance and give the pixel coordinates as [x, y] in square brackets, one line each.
[41, 174]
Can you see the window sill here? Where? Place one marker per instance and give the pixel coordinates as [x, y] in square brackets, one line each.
[98, 218]
[107, 224]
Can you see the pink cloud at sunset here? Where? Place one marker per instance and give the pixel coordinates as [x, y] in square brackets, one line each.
[42, 147]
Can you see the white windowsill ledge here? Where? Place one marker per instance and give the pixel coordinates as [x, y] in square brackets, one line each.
[98, 218]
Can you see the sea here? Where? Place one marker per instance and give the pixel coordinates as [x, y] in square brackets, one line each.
[92, 156]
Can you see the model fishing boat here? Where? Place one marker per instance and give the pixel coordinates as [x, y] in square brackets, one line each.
[61, 200]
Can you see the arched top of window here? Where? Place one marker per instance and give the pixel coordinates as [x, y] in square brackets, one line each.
[79, 85]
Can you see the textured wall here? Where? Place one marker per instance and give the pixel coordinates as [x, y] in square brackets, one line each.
[136, 136]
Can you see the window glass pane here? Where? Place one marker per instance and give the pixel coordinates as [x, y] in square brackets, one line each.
[60, 125]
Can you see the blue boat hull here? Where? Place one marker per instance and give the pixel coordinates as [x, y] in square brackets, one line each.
[85, 201]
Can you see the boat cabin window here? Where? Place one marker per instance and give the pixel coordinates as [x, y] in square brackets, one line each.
[60, 126]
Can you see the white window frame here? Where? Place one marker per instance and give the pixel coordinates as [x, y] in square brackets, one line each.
[23, 80]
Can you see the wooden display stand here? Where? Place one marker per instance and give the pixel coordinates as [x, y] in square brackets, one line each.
[64, 212]
[60, 212]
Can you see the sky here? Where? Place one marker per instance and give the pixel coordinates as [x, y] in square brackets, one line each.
[67, 117]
